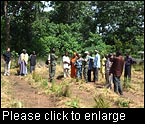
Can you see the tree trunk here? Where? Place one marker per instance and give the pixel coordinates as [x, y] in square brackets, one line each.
[7, 23]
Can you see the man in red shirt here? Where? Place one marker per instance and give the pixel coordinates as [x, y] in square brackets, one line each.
[116, 70]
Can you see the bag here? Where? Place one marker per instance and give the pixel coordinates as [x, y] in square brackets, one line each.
[46, 62]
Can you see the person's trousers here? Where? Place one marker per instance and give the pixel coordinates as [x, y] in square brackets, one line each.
[7, 68]
[127, 72]
[52, 69]
[96, 74]
[117, 84]
[66, 72]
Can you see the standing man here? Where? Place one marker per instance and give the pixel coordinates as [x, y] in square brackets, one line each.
[23, 61]
[86, 65]
[116, 70]
[32, 61]
[7, 59]
[66, 65]
[78, 65]
[96, 66]
[128, 63]
[52, 64]
[107, 71]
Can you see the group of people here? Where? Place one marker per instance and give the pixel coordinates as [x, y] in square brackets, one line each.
[79, 66]
[22, 62]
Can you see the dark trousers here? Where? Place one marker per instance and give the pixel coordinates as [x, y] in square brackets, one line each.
[127, 72]
[52, 69]
[95, 74]
[89, 75]
[117, 84]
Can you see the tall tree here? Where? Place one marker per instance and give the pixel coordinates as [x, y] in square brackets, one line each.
[7, 23]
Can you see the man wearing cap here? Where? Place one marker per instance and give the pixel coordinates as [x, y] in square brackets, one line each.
[96, 65]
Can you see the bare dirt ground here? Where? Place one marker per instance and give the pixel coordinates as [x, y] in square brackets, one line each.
[28, 95]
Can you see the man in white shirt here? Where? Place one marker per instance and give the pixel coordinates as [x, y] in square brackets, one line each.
[66, 65]
[96, 65]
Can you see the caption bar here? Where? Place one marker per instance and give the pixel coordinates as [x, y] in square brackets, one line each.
[73, 116]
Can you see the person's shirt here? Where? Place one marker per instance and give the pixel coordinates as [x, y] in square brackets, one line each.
[103, 61]
[7, 56]
[78, 63]
[128, 61]
[32, 60]
[24, 57]
[66, 62]
[97, 61]
[52, 58]
[108, 64]
[91, 63]
[117, 66]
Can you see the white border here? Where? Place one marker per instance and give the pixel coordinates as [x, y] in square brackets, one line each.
[105, 126]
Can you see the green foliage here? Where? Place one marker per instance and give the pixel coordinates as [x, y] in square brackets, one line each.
[106, 26]
[44, 83]
[95, 42]
[123, 103]
[101, 102]
[16, 104]
[138, 67]
[74, 103]
[36, 77]
[60, 90]
[14, 54]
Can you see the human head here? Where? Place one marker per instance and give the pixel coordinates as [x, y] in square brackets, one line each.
[118, 53]
[74, 54]
[86, 52]
[24, 51]
[53, 50]
[109, 55]
[96, 51]
[66, 53]
[33, 52]
[8, 49]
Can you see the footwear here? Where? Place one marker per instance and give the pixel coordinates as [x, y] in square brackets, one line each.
[121, 93]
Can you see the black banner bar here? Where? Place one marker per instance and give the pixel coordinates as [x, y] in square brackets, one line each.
[72, 116]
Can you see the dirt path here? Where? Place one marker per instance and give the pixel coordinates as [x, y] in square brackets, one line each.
[28, 95]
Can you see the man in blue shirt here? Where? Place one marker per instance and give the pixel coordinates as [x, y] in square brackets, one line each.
[96, 65]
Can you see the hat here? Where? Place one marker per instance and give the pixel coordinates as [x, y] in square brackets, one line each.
[96, 51]
[86, 52]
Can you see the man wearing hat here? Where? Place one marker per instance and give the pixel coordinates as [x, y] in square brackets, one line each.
[96, 65]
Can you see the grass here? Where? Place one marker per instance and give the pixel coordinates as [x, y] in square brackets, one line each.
[101, 102]
[74, 103]
[123, 103]
[7, 100]
[138, 67]
[61, 89]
